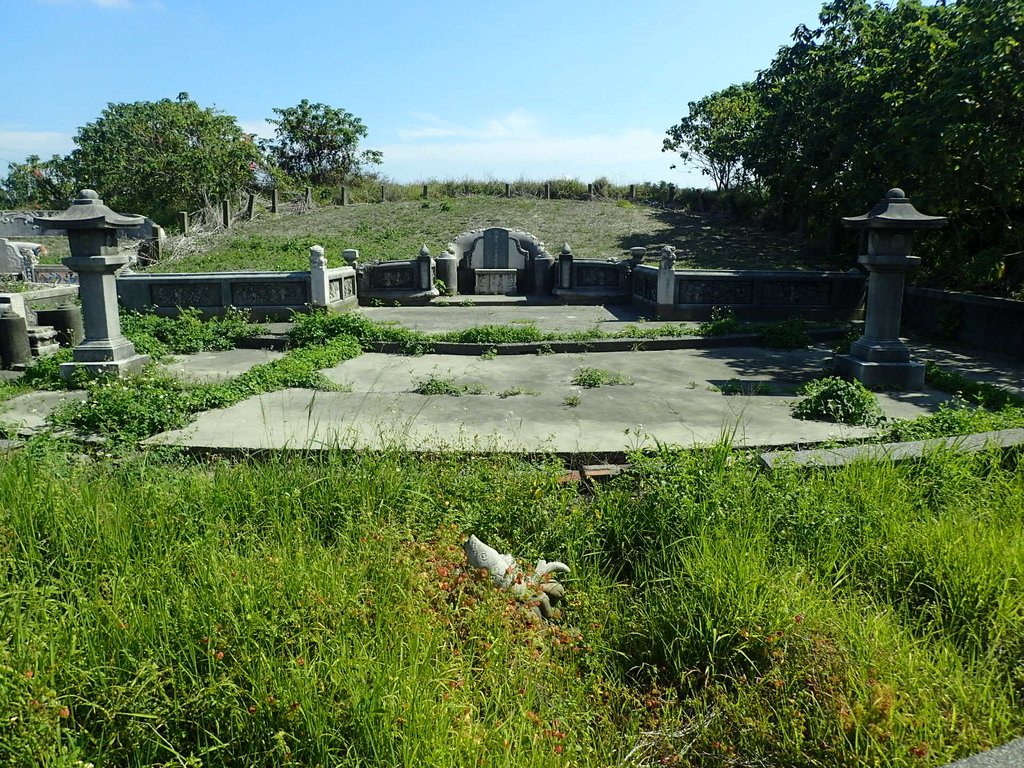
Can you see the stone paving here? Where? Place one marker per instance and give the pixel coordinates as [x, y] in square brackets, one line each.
[528, 402]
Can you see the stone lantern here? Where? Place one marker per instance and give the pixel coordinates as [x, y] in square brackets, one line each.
[92, 235]
[880, 358]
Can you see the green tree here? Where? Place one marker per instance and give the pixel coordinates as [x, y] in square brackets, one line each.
[713, 135]
[38, 184]
[318, 144]
[160, 157]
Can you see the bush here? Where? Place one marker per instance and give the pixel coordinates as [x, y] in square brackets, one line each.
[838, 400]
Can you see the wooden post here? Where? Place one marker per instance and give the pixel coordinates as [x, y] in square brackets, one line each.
[250, 207]
[383, 193]
[632, 191]
[225, 214]
[424, 190]
[508, 189]
[590, 191]
[183, 222]
[273, 200]
[547, 190]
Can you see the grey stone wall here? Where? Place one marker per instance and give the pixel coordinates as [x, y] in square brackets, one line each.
[756, 294]
[266, 295]
[983, 322]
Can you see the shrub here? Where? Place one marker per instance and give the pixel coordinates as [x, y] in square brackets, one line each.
[838, 400]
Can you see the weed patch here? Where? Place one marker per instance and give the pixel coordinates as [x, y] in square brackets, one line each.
[591, 378]
[838, 400]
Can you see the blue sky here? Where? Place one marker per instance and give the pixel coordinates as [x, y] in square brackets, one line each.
[448, 89]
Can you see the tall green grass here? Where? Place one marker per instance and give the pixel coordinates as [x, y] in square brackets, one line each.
[317, 612]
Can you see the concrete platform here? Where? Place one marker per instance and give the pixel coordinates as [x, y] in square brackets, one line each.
[527, 402]
[531, 405]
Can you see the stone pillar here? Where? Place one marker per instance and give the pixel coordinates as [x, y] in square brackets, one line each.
[547, 190]
[383, 193]
[92, 235]
[565, 268]
[250, 207]
[544, 268]
[15, 350]
[425, 191]
[344, 195]
[425, 270]
[273, 200]
[590, 191]
[671, 193]
[666, 283]
[183, 222]
[225, 214]
[447, 267]
[319, 287]
[309, 197]
[508, 189]
[880, 358]
[632, 191]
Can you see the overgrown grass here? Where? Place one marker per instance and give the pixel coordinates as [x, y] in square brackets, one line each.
[396, 230]
[318, 612]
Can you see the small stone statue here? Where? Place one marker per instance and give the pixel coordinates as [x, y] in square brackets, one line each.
[539, 591]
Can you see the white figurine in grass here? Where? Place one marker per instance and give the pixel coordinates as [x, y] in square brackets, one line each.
[537, 589]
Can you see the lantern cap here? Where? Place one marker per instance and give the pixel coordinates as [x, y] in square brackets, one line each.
[894, 211]
[88, 212]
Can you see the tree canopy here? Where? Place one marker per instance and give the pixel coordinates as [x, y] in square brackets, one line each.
[929, 98]
[713, 133]
[319, 144]
[160, 157]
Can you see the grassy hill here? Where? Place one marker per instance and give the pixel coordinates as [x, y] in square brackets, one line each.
[397, 230]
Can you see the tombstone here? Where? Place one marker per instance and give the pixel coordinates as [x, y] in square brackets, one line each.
[503, 249]
[880, 358]
[92, 234]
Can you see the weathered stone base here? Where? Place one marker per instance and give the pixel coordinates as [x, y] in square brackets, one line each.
[875, 375]
[119, 368]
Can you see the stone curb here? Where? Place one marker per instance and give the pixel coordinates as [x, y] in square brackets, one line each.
[601, 345]
[281, 343]
[840, 457]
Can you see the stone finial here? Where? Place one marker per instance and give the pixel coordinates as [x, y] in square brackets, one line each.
[668, 257]
[317, 258]
[566, 250]
[424, 251]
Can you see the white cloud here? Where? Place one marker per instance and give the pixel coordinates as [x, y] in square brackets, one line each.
[261, 128]
[16, 145]
[517, 144]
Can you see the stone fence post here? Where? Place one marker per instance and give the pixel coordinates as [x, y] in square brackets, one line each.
[425, 269]
[565, 268]
[666, 282]
[319, 288]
